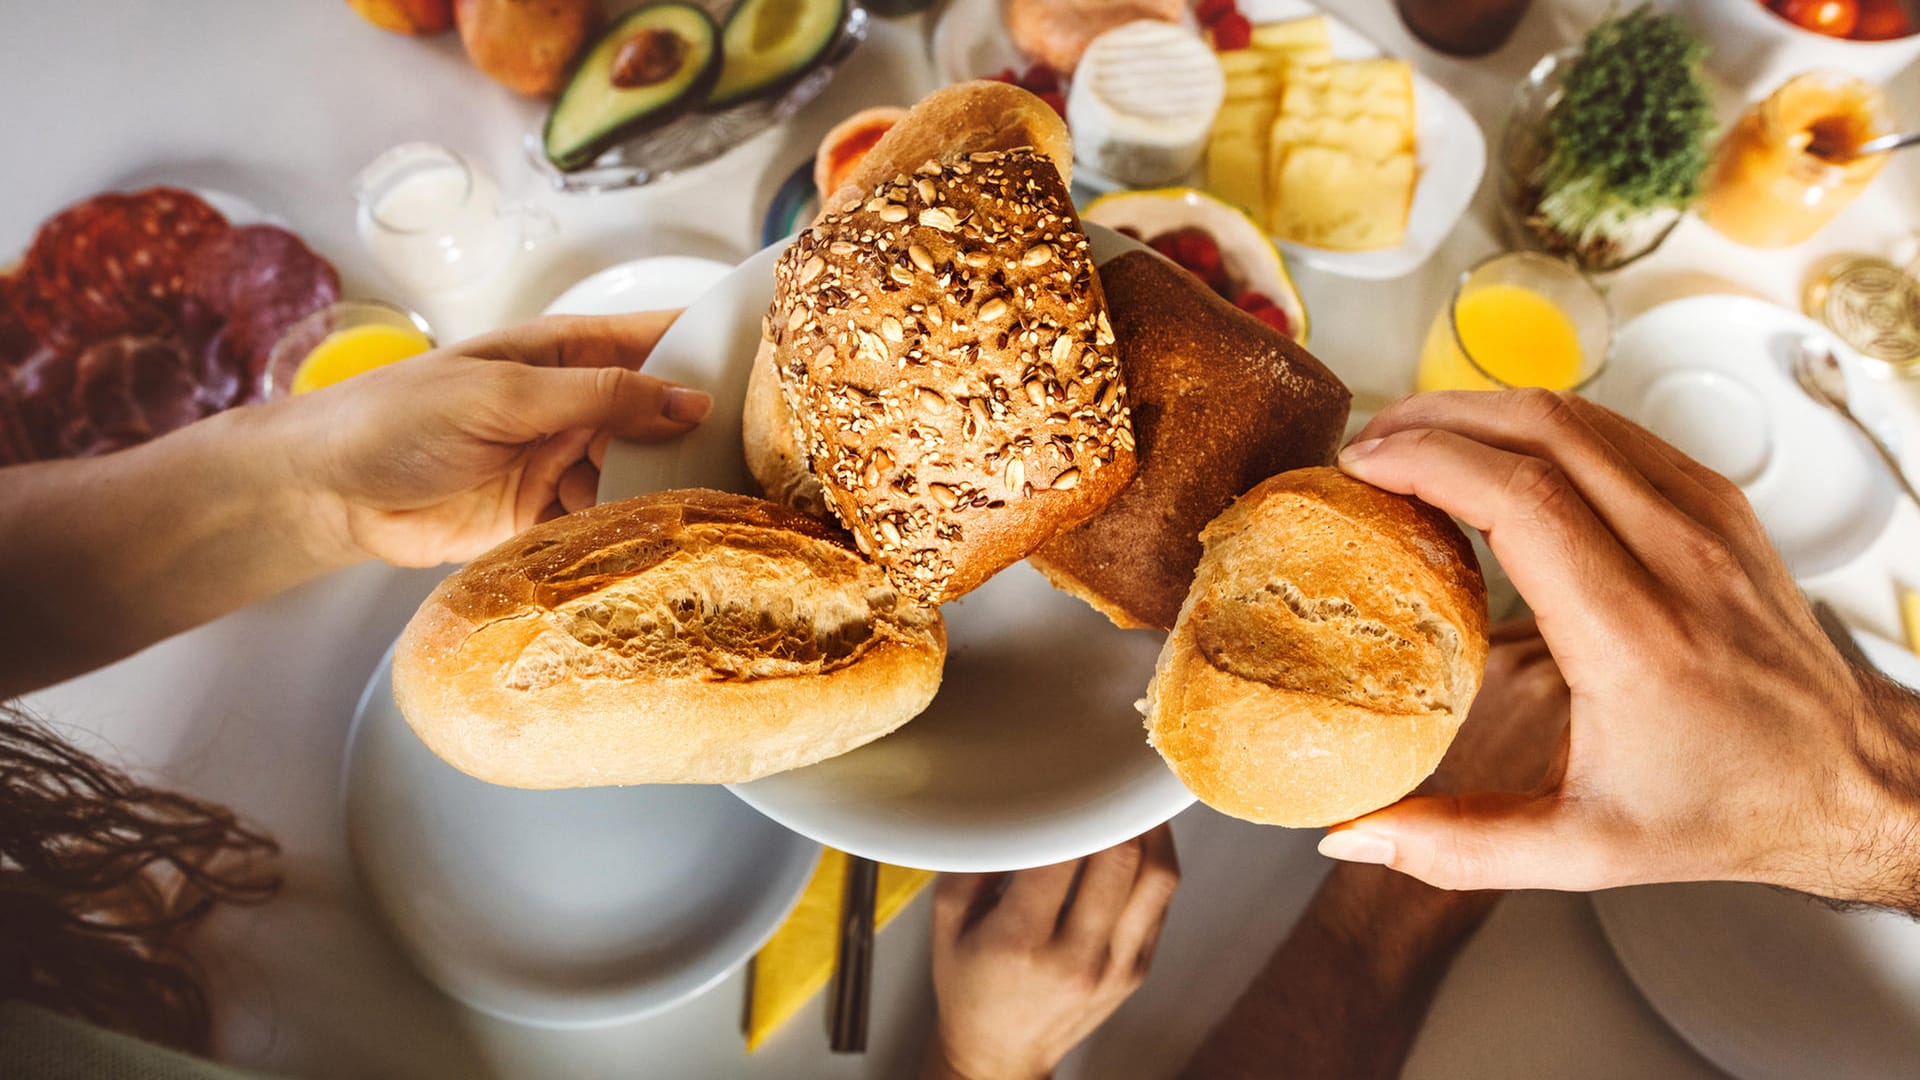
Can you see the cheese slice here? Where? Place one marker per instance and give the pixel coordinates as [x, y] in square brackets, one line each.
[1363, 136]
[797, 962]
[1237, 172]
[1261, 85]
[1249, 62]
[1293, 34]
[1335, 199]
[1910, 617]
[1250, 118]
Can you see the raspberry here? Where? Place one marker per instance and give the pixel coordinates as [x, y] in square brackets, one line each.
[1199, 252]
[1232, 31]
[1006, 75]
[1056, 99]
[1209, 12]
[1041, 79]
[1275, 318]
[1252, 301]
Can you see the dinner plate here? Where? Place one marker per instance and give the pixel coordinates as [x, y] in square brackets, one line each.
[970, 40]
[1031, 754]
[662, 281]
[559, 908]
[1713, 376]
[1773, 985]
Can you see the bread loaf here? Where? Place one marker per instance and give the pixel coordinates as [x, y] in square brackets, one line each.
[681, 637]
[1331, 645]
[948, 365]
[1220, 401]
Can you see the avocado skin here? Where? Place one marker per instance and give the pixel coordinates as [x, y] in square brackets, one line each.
[650, 116]
[792, 67]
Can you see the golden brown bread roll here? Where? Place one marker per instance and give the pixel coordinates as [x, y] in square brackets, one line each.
[680, 637]
[1330, 647]
[978, 115]
[949, 371]
[1220, 401]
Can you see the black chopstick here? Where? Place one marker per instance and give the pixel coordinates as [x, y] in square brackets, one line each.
[853, 974]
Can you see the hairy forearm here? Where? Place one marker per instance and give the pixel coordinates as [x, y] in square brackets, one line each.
[1876, 841]
[1344, 995]
[100, 557]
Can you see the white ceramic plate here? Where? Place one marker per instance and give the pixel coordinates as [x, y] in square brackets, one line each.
[1771, 985]
[664, 281]
[970, 41]
[1712, 375]
[1031, 754]
[559, 908]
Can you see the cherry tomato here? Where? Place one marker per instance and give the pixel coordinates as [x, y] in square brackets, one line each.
[1882, 20]
[1834, 18]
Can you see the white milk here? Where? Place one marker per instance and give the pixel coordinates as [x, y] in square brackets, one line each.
[431, 222]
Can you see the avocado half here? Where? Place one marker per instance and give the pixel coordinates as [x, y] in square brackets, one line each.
[769, 44]
[644, 71]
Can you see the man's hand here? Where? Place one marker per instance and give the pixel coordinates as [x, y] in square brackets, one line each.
[1716, 733]
[1023, 974]
[440, 457]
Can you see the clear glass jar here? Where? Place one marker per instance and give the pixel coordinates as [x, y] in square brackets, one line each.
[1783, 172]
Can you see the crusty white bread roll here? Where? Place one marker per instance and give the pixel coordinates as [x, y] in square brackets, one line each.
[948, 368]
[1330, 647]
[1220, 401]
[977, 115]
[681, 637]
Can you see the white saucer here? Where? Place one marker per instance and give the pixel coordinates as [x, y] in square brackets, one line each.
[661, 281]
[1712, 375]
[561, 909]
[970, 41]
[1031, 754]
[1772, 985]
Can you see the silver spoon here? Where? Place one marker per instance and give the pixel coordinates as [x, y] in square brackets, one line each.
[1841, 155]
[1818, 371]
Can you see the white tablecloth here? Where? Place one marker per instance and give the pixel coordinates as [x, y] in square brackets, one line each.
[281, 103]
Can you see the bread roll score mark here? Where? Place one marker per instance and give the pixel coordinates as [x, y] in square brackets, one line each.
[943, 351]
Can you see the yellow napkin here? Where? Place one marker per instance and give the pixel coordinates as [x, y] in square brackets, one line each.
[798, 960]
[1910, 616]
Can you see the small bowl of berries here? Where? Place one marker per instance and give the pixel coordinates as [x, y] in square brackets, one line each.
[1215, 242]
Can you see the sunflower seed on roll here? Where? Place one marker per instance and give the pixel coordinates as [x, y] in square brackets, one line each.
[944, 353]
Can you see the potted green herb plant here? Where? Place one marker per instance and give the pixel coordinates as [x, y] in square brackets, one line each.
[1607, 141]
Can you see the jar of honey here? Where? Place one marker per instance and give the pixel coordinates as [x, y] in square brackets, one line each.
[1788, 166]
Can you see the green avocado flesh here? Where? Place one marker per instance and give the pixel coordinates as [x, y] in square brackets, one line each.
[667, 56]
[770, 43]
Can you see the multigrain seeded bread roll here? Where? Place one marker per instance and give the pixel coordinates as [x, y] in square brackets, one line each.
[681, 637]
[947, 363]
[1220, 402]
[1330, 647]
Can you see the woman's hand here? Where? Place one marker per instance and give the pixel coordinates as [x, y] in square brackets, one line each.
[442, 456]
[1024, 973]
[1716, 732]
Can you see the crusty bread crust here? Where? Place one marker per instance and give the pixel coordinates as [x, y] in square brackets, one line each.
[680, 637]
[1330, 647]
[776, 461]
[949, 368]
[1221, 401]
[960, 119]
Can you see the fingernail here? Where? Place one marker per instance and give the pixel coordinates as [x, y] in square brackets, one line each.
[685, 405]
[1357, 845]
[1355, 451]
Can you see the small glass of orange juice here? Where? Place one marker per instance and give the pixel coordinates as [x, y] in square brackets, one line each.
[340, 341]
[1520, 319]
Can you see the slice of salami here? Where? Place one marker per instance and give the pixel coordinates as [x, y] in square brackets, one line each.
[115, 264]
[258, 280]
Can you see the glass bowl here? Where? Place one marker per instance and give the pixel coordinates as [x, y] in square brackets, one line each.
[303, 337]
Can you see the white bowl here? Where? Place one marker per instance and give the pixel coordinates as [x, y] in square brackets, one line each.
[1754, 50]
[1031, 754]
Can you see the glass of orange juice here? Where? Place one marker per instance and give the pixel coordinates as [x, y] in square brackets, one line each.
[1519, 319]
[340, 341]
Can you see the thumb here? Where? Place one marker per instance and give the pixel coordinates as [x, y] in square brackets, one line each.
[1477, 842]
[616, 400]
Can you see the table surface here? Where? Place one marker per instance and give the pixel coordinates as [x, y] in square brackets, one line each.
[281, 104]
